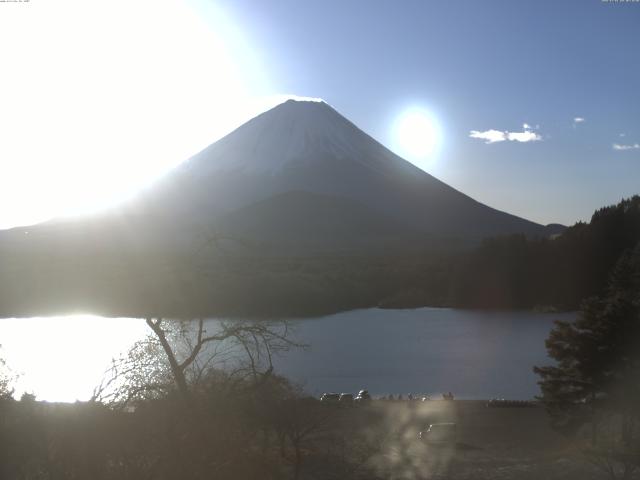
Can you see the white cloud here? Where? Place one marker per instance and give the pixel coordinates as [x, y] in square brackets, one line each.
[526, 136]
[490, 136]
[579, 120]
[634, 146]
[493, 136]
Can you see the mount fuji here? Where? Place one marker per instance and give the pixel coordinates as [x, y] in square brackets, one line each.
[327, 219]
[302, 172]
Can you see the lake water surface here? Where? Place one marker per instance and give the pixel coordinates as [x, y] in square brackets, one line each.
[470, 353]
[473, 354]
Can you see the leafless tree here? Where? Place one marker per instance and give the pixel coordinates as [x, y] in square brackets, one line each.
[614, 448]
[6, 379]
[179, 354]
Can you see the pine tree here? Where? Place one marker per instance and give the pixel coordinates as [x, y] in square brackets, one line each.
[594, 388]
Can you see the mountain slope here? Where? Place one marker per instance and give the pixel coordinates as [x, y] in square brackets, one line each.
[301, 221]
[309, 147]
[331, 218]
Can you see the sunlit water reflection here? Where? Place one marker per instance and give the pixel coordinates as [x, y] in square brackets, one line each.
[474, 354]
[64, 358]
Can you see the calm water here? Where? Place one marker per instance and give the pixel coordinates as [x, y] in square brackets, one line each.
[470, 353]
[473, 354]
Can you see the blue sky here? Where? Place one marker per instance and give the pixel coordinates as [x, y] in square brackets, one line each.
[99, 99]
[477, 66]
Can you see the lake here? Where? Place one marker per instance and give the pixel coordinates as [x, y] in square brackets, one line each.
[474, 354]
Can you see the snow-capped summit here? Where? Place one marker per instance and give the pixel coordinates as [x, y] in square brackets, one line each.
[294, 131]
[298, 180]
[308, 147]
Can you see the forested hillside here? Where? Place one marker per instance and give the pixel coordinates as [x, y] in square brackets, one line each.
[516, 272]
[240, 280]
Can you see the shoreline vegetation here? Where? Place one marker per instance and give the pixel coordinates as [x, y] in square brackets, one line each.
[511, 272]
[257, 435]
[165, 411]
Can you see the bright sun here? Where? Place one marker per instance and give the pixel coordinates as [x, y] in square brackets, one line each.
[417, 137]
[99, 97]
[50, 366]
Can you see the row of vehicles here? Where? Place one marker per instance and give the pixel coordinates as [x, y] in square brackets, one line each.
[346, 399]
[432, 433]
[364, 396]
[502, 403]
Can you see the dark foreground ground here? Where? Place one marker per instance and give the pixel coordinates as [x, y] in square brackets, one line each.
[492, 443]
[298, 439]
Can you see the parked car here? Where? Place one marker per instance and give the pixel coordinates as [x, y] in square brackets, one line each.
[363, 397]
[346, 399]
[502, 403]
[439, 433]
[330, 398]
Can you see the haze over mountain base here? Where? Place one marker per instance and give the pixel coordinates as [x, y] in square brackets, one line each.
[296, 212]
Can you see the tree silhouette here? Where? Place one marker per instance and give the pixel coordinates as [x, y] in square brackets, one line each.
[596, 380]
[518, 272]
[5, 381]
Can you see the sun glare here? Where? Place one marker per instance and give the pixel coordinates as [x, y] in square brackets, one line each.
[98, 98]
[62, 361]
[417, 137]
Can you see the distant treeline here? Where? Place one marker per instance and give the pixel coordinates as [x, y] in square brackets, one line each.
[230, 429]
[507, 272]
[516, 272]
